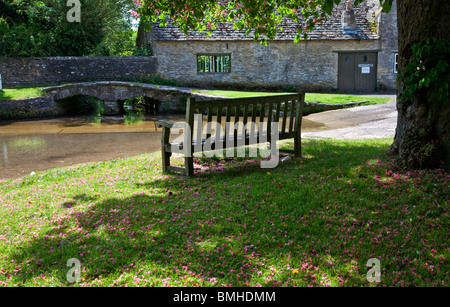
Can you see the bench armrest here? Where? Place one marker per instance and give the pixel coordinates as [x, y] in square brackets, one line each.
[165, 123]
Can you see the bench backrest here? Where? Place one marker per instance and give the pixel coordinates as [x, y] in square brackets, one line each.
[287, 110]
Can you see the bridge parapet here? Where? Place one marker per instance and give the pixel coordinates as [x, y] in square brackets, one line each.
[171, 99]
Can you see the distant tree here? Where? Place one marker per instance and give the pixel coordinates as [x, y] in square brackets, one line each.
[41, 28]
[143, 38]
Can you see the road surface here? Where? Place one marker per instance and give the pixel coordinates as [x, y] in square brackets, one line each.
[374, 121]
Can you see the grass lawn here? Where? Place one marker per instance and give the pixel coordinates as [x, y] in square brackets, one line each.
[310, 97]
[344, 98]
[312, 221]
[20, 93]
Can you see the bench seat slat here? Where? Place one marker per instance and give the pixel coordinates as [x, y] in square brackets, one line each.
[291, 119]
[285, 109]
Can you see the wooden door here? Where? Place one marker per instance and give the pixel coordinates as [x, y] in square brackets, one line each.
[365, 71]
[346, 72]
[357, 71]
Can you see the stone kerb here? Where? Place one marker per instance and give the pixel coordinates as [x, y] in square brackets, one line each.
[316, 107]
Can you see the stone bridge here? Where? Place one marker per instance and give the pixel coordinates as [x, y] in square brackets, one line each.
[114, 93]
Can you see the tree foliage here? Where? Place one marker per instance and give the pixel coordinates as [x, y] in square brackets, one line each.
[41, 28]
[428, 68]
[261, 18]
[4, 27]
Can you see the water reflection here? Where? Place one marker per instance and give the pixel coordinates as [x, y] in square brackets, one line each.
[22, 145]
[26, 143]
[133, 115]
[133, 110]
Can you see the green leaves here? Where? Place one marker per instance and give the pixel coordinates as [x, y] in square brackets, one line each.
[3, 26]
[328, 5]
[429, 69]
[387, 5]
[41, 28]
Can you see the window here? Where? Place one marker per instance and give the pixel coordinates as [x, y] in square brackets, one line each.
[213, 63]
[395, 63]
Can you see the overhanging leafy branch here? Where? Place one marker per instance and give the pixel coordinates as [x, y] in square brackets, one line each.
[428, 68]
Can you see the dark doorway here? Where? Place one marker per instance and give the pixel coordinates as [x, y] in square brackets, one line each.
[357, 71]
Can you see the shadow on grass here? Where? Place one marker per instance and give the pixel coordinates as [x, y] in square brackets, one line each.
[307, 222]
[5, 96]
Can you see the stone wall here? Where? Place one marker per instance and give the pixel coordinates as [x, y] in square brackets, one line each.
[30, 108]
[389, 46]
[51, 70]
[310, 65]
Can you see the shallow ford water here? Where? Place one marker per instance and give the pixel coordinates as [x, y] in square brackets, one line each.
[38, 145]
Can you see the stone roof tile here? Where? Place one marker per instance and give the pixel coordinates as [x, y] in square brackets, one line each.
[329, 30]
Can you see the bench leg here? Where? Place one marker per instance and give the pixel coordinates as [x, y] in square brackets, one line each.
[165, 160]
[165, 155]
[189, 166]
[298, 147]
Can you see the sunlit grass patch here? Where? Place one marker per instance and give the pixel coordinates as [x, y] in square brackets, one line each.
[343, 98]
[20, 93]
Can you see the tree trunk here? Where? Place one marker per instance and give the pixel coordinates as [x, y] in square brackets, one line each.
[143, 38]
[421, 121]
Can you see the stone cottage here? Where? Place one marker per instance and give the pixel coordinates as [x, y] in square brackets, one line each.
[354, 50]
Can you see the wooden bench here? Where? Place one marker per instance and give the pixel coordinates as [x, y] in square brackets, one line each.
[282, 111]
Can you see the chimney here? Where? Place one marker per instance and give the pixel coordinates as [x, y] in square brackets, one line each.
[349, 19]
[349, 5]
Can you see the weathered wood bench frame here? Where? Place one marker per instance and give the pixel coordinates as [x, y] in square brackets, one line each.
[287, 108]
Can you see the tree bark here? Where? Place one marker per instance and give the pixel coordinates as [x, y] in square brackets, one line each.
[421, 121]
[143, 38]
